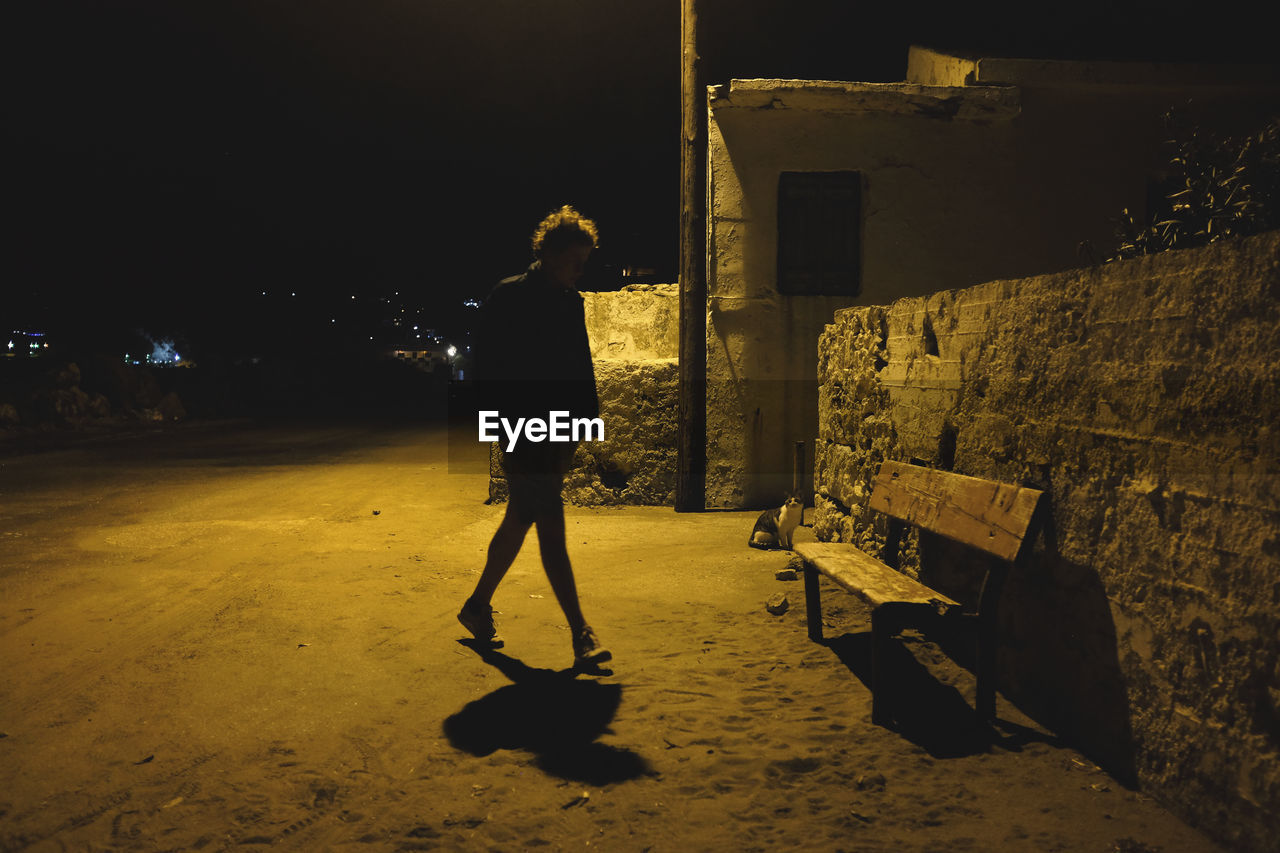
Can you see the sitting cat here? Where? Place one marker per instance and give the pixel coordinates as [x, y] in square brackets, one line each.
[774, 526]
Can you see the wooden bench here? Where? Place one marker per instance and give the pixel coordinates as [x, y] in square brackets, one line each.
[995, 518]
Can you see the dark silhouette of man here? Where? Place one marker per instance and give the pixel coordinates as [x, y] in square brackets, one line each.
[534, 359]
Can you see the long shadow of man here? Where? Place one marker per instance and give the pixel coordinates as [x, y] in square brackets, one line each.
[551, 714]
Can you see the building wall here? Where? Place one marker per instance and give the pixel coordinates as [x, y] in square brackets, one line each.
[1143, 398]
[961, 185]
[761, 355]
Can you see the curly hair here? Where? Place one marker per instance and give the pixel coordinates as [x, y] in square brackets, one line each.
[563, 228]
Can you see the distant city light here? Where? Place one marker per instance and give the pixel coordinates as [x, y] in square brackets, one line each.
[10, 344]
[163, 352]
[453, 351]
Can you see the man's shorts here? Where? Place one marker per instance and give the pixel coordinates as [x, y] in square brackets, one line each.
[535, 475]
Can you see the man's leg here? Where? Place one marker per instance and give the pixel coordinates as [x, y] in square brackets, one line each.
[476, 614]
[555, 561]
[587, 650]
[503, 549]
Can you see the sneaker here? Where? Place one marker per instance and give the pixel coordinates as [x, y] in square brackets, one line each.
[587, 650]
[478, 619]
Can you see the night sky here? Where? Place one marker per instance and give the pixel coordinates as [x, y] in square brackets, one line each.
[170, 161]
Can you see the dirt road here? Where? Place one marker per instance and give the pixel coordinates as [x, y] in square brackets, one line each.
[229, 636]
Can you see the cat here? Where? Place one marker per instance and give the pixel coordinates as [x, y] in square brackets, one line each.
[774, 526]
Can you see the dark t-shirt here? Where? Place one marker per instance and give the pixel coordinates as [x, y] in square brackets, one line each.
[533, 356]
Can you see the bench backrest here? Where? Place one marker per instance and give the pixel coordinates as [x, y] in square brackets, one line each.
[993, 517]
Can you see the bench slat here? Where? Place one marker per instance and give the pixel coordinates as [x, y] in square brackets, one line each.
[865, 576]
[992, 517]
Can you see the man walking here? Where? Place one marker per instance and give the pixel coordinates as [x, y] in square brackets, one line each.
[533, 358]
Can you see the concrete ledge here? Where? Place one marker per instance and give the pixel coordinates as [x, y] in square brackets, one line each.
[943, 68]
[971, 103]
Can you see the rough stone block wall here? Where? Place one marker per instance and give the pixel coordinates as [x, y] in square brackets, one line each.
[634, 335]
[637, 323]
[1144, 398]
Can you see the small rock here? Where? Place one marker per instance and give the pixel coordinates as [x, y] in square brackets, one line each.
[786, 574]
[870, 782]
[778, 604]
[466, 822]
[579, 800]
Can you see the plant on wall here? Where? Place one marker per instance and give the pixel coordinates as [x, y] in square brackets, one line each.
[1217, 186]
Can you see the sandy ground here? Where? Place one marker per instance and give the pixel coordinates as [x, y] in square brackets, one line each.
[230, 637]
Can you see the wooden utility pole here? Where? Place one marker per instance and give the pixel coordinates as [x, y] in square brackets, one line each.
[692, 452]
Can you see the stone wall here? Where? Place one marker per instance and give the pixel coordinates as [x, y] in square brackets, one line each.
[638, 323]
[634, 335]
[1144, 398]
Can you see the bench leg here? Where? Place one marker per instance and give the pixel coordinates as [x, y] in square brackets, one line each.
[887, 622]
[883, 629]
[987, 640]
[812, 603]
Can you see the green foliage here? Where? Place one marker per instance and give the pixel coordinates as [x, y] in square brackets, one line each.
[1216, 187]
